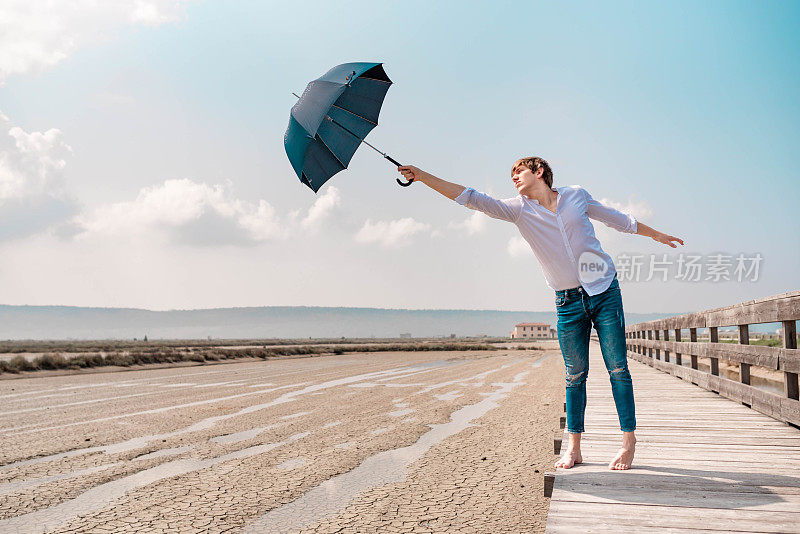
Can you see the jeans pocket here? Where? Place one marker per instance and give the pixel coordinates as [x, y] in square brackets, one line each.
[560, 300]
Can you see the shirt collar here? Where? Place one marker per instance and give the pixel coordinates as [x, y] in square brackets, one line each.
[554, 189]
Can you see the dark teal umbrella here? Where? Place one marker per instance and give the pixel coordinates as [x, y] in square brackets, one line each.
[331, 119]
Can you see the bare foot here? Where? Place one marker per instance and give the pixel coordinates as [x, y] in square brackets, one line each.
[569, 459]
[623, 459]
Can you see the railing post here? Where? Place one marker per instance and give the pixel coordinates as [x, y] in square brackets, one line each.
[693, 338]
[678, 359]
[713, 337]
[666, 352]
[658, 351]
[744, 339]
[790, 388]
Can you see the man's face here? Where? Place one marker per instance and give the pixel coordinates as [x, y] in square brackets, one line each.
[523, 178]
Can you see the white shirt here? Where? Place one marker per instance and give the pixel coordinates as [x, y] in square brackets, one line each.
[564, 241]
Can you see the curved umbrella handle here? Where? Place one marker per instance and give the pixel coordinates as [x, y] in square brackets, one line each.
[404, 184]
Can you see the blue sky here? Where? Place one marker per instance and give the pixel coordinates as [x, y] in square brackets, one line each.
[165, 184]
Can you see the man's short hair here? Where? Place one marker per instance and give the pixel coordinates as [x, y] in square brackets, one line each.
[534, 164]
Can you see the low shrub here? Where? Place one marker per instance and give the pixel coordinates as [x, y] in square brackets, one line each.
[87, 360]
[118, 358]
[193, 357]
[5, 367]
[21, 363]
[51, 361]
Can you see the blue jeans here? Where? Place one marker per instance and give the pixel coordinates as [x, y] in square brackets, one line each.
[576, 313]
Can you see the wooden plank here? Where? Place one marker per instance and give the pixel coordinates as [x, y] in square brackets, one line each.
[689, 427]
[656, 459]
[790, 410]
[761, 312]
[731, 439]
[593, 528]
[577, 517]
[684, 478]
[789, 360]
[760, 355]
[674, 434]
[773, 309]
[700, 498]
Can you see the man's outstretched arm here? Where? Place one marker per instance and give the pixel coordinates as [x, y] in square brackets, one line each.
[643, 229]
[506, 210]
[448, 189]
[625, 222]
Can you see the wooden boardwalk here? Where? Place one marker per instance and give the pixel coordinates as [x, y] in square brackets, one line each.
[703, 463]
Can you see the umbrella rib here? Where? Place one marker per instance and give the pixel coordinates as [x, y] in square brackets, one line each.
[357, 137]
[375, 80]
[356, 114]
[331, 151]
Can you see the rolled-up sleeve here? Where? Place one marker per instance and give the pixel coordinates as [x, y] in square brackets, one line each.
[622, 222]
[507, 209]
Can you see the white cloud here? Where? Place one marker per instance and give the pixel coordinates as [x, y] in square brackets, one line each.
[518, 247]
[390, 234]
[36, 35]
[152, 12]
[31, 163]
[474, 224]
[321, 208]
[32, 193]
[197, 214]
[186, 212]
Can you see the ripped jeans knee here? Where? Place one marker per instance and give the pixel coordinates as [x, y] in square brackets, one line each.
[620, 374]
[576, 377]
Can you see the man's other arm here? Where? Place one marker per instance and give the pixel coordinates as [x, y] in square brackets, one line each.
[625, 222]
[643, 229]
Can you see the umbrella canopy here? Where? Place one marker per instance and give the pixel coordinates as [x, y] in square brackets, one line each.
[331, 118]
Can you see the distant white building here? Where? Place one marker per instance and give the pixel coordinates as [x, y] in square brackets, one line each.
[533, 331]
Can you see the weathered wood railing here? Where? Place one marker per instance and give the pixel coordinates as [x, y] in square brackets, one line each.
[645, 344]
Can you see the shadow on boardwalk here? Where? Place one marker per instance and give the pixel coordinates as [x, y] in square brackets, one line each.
[672, 486]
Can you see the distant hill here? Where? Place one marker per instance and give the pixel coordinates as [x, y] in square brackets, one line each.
[71, 322]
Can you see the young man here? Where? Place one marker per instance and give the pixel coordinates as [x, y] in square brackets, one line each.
[555, 223]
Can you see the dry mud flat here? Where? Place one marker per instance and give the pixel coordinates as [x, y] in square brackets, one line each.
[382, 442]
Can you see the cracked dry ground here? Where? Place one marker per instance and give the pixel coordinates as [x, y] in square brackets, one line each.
[383, 442]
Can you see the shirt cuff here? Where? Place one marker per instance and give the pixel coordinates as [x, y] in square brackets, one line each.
[463, 197]
[634, 224]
